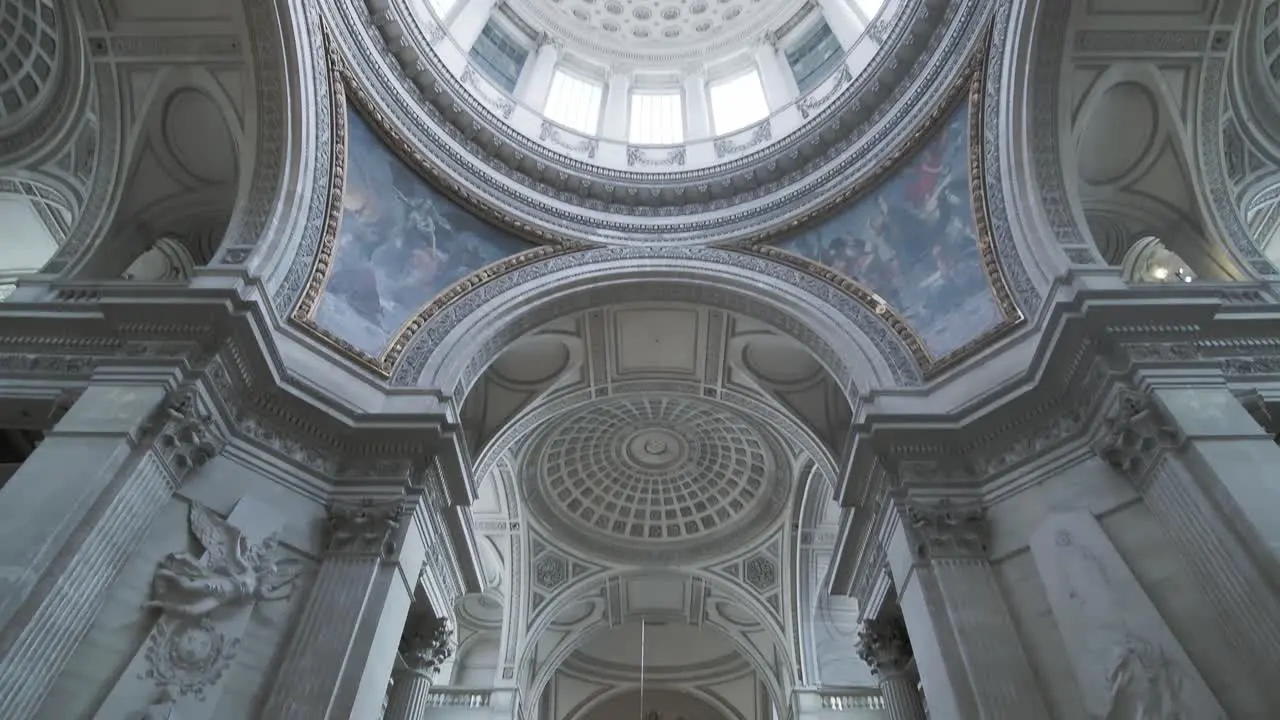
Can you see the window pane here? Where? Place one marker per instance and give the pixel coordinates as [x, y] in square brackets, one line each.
[814, 57]
[574, 102]
[737, 102]
[442, 7]
[657, 118]
[499, 57]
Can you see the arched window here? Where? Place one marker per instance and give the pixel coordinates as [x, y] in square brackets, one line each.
[657, 117]
[737, 102]
[574, 102]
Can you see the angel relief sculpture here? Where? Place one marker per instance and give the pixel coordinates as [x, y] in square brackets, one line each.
[233, 571]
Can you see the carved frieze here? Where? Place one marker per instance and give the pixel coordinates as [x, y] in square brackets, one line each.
[367, 528]
[945, 529]
[1134, 434]
[883, 644]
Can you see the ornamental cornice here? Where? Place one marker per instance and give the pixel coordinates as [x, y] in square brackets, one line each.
[1065, 396]
[763, 188]
[223, 355]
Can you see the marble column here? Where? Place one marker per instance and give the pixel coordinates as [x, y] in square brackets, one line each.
[775, 74]
[843, 21]
[967, 651]
[616, 103]
[426, 645]
[697, 113]
[362, 588]
[1207, 470]
[540, 68]
[883, 645]
[75, 511]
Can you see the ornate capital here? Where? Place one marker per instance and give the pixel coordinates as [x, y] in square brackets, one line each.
[427, 643]
[1134, 434]
[366, 528]
[188, 437]
[883, 644]
[944, 529]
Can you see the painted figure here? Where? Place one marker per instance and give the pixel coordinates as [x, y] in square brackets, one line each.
[913, 242]
[400, 243]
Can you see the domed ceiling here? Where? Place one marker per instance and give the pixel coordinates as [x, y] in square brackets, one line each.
[653, 30]
[682, 474]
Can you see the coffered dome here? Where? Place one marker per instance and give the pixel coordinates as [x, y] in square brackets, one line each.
[654, 30]
[655, 476]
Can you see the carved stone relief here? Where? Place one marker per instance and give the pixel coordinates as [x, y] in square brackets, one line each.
[1127, 663]
[884, 646]
[1133, 434]
[945, 529]
[364, 529]
[205, 603]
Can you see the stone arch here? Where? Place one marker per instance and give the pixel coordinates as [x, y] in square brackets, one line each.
[823, 622]
[478, 658]
[1136, 172]
[730, 608]
[181, 175]
[859, 349]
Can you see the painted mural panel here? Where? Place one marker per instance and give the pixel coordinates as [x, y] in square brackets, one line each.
[400, 243]
[914, 242]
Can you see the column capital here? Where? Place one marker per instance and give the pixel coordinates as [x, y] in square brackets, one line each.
[364, 528]
[1134, 433]
[945, 528]
[186, 436]
[883, 644]
[546, 39]
[427, 643]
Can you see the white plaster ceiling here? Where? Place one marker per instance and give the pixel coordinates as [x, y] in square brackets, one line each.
[654, 30]
[654, 468]
[632, 429]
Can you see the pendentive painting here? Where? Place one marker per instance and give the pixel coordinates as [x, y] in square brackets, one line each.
[913, 241]
[400, 243]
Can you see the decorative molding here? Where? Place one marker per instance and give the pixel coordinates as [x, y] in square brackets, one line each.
[366, 528]
[883, 645]
[943, 529]
[187, 437]
[427, 643]
[1134, 434]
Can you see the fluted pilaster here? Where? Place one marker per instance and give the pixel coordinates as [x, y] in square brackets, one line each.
[1149, 449]
[968, 653]
[48, 627]
[317, 673]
